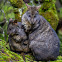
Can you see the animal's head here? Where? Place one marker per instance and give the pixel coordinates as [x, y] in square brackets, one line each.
[15, 29]
[11, 27]
[32, 13]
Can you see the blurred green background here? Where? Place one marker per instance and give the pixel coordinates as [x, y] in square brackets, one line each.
[50, 9]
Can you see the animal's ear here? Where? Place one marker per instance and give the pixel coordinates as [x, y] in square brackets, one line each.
[28, 6]
[10, 20]
[15, 22]
[38, 7]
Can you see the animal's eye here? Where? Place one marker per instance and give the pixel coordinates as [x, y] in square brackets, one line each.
[9, 28]
[29, 15]
[34, 16]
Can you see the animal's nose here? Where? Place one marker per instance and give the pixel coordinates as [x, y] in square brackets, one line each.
[32, 21]
[25, 37]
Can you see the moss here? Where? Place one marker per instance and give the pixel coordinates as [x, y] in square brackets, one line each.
[19, 12]
[6, 55]
[60, 37]
[19, 8]
[60, 13]
[51, 19]
[17, 3]
[7, 12]
[48, 10]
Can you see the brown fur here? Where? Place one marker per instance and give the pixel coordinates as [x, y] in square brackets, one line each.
[17, 37]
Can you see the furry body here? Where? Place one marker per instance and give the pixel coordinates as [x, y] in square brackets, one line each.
[17, 37]
[43, 40]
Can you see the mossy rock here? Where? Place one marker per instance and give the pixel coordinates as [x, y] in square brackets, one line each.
[17, 3]
[7, 55]
[60, 37]
[60, 13]
[48, 10]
